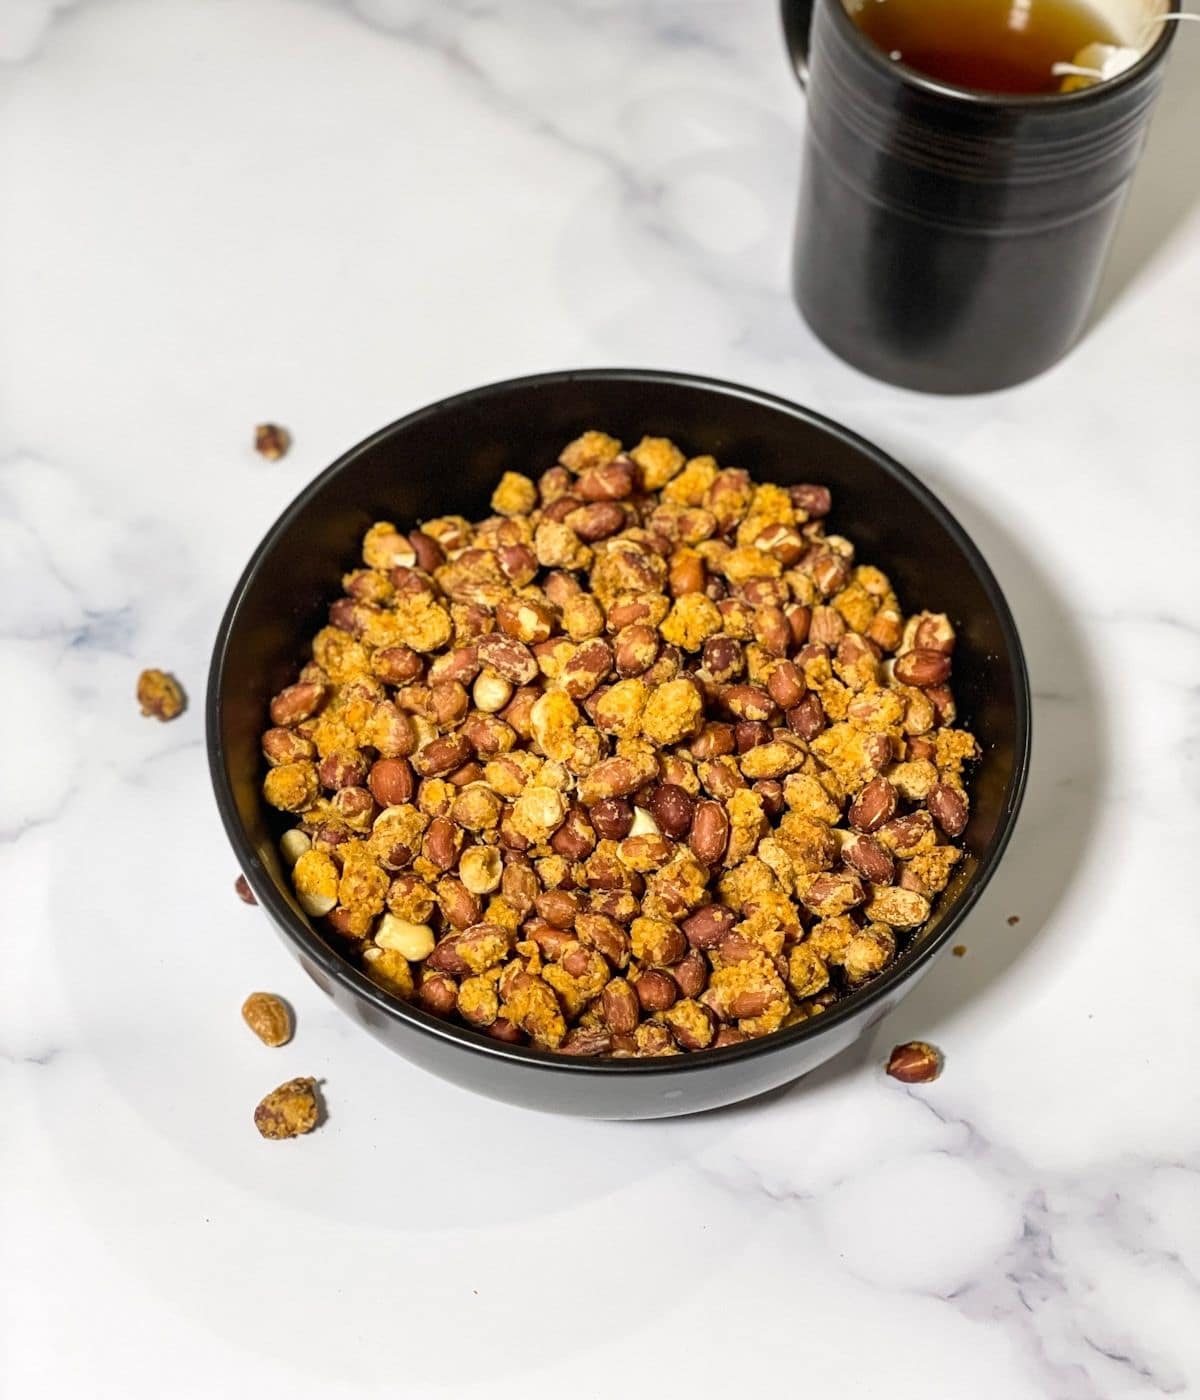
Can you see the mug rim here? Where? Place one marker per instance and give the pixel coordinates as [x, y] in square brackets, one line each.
[1006, 101]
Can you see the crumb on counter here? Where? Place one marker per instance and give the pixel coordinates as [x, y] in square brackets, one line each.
[271, 441]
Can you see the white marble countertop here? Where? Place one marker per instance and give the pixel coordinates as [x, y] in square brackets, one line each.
[219, 211]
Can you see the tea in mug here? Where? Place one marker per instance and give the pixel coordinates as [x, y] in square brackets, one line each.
[990, 45]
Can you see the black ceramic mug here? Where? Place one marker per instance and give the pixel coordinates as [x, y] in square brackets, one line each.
[952, 240]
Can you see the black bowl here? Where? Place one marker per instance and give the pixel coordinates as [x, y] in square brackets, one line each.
[445, 459]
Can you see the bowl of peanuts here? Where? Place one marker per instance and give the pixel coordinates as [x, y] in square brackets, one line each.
[617, 743]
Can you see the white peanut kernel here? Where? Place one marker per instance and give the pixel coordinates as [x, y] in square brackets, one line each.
[644, 824]
[411, 941]
[480, 869]
[293, 844]
[491, 692]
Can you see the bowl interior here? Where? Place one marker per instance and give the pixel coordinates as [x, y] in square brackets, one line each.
[446, 458]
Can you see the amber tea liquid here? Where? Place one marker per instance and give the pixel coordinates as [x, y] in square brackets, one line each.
[993, 45]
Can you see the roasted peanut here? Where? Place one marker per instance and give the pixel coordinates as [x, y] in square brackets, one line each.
[268, 1017]
[830, 895]
[690, 973]
[728, 1035]
[480, 869]
[869, 951]
[673, 809]
[748, 702]
[721, 777]
[770, 790]
[657, 941]
[576, 837]
[508, 658]
[596, 521]
[896, 907]
[709, 833]
[915, 1062]
[558, 907]
[342, 768]
[806, 719]
[691, 1023]
[656, 990]
[398, 665]
[621, 1006]
[592, 1040]
[605, 934]
[292, 787]
[948, 806]
[874, 805]
[355, 807]
[290, 1110]
[442, 756]
[442, 843]
[866, 856]
[722, 658]
[708, 926]
[437, 992]
[922, 668]
[295, 703]
[586, 668]
[413, 941]
[909, 835]
[942, 701]
[928, 631]
[503, 1029]
[491, 692]
[786, 685]
[749, 733]
[286, 746]
[813, 502]
[612, 481]
[635, 649]
[391, 781]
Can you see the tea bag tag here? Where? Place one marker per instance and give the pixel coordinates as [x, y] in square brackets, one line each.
[1095, 63]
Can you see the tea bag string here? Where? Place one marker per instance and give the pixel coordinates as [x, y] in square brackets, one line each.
[1171, 16]
[1109, 61]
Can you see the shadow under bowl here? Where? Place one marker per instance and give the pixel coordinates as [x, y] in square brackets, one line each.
[445, 459]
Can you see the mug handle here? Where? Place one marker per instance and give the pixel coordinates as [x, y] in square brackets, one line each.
[797, 17]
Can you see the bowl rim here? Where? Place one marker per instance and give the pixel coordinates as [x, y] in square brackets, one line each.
[360, 987]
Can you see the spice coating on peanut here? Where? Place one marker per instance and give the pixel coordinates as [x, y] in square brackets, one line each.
[292, 1109]
[642, 763]
[160, 695]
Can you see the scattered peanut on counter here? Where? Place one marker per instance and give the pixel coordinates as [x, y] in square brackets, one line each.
[160, 695]
[916, 1062]
[268, 1017]
[290, 1110]
[644, 763]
